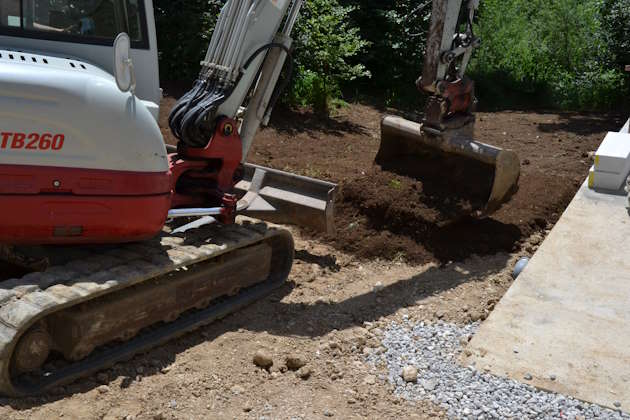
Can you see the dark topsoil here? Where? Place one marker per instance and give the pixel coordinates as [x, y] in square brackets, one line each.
[417, 212]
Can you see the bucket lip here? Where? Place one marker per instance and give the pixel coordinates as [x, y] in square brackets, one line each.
[506, 178]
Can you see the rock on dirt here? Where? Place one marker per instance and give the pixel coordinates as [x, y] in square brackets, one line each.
[263, 359]
[410, 374]
[295, 362]
[304, 372]
[369, 380]
[237, 390]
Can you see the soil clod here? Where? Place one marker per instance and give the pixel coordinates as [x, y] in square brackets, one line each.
[263, 359]
[295, 362]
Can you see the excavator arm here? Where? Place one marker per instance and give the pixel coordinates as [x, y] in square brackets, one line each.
[236, 90]
[451, 93]
[447, 127]
[239, 83]
[246, 55]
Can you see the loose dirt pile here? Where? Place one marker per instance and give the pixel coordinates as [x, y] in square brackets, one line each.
[408, 211]
[398, 208]
[426, 190]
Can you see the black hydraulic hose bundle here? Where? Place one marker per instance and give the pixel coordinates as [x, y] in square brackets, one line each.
[192, 118]
[189, 119]
[183, 105]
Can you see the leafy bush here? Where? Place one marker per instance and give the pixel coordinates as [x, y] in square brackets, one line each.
[397, 32]
[310, 88]
[325, 41]
[616, 24]
[535, 53]
[552, 54]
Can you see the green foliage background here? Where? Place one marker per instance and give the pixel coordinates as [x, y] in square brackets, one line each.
[184, 28]
[563, 54]
[559, 54]
[325, 44]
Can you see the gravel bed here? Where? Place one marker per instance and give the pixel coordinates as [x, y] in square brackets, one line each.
[462, 391]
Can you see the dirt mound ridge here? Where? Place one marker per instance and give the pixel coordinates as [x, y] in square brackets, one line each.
[387, 215]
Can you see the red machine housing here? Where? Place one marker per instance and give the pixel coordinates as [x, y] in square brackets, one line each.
[453, 102]
[56, 205]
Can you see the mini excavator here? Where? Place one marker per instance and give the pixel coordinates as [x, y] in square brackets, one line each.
[129, 242]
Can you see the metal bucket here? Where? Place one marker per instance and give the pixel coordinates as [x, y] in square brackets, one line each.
[404, 138]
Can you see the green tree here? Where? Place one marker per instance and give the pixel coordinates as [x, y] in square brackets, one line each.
[184, 28]
[325, 42]
[616, 24]
[397, 32]
[546, 53]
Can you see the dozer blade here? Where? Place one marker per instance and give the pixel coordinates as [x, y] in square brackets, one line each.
[401, 138]
[282, 197]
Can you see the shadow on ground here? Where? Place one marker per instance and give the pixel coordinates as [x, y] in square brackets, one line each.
[583, 124]
[275, 316]
[292, 122]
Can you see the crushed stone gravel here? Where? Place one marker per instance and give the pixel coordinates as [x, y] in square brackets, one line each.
[462, 391]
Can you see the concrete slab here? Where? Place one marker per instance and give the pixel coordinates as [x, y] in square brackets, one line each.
[566, 319]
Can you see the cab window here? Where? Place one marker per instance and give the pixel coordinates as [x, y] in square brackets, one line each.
[98, 21]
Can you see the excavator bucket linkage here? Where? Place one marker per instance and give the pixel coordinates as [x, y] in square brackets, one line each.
[442, 147]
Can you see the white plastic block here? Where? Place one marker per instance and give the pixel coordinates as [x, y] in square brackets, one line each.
[613, 154]
[612, 163]
[604, 180]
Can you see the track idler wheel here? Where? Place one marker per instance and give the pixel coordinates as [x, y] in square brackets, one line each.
[32, 351]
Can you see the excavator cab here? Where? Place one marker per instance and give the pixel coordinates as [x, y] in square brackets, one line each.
[483, 175]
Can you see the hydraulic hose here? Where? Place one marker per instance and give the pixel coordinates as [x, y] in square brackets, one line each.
[190, 119]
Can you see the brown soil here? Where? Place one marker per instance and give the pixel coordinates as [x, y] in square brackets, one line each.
[411, 209]
[328, 314]
[394, 207]
[330, 311]
[381, 214]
